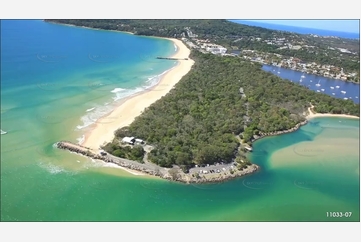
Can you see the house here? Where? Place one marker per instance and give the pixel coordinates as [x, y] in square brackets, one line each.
[128, 140]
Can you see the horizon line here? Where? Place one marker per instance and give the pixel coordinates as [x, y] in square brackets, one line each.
[282, 24]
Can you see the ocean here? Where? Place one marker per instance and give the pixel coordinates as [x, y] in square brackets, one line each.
[300, 30]
[56, 80]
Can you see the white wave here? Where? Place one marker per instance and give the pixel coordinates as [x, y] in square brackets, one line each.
[51, 168]
[115, 90]
[81, 139]
[127, 93]
[91, 117]
[3, 132]
[154, 80]
[97, 112]
[175, 47]
[101, 164]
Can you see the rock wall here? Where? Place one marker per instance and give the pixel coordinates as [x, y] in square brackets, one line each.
[152, 169]
[280, 132]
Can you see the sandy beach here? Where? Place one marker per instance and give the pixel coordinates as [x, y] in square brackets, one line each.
[123, 115]
[312, 114]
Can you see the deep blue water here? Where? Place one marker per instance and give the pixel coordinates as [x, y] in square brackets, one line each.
[300, 30]
[327, 85]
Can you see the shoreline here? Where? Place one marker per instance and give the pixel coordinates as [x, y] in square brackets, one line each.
[130, 107]
[85, 27]
[310, 115]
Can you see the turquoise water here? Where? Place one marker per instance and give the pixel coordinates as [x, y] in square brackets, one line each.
[303, 174]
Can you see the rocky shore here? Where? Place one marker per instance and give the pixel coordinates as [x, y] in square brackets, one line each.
[227, 171]
[262, 135]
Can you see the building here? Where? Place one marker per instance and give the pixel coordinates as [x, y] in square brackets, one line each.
[128, 140]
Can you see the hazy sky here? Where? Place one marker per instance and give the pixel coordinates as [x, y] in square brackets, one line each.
[351, 26]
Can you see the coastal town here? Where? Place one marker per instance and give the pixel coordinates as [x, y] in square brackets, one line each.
[277, 60]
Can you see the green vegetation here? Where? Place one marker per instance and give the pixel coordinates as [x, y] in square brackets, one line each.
[132, 153]
[242, 163]
[197, 122]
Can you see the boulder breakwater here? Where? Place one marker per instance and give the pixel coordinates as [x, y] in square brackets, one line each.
[227, 171]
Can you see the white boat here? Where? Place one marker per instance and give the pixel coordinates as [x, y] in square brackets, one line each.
[345, 98]
[332, 87]
[3, 132]
[333, 93]
[318, 90]
[302, 76]
[310, 80]
[356, 96]
[318, 84]
[278, 72]
[343, 92]
[337, 86]
[322, 89]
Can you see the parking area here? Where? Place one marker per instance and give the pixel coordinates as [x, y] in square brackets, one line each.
[216, 168]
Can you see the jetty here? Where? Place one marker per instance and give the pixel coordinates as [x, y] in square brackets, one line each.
[173, 174]
[170, 58]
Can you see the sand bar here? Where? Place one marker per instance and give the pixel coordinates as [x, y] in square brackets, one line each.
[103, 130]
[312, 114]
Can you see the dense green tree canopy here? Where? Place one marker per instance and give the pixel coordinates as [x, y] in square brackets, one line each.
[198, 121]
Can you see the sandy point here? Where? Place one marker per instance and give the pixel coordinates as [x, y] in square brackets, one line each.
[312, 114]
[131, 107]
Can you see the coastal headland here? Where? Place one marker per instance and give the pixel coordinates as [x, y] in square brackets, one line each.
[102, 133]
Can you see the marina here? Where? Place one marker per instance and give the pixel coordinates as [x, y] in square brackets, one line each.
[332, 87]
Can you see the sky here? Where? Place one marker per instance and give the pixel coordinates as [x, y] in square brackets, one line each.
[350, 26]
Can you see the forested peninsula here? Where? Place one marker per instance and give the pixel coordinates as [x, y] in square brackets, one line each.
[220, 102]
[216, 111]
